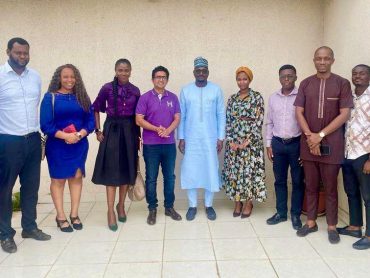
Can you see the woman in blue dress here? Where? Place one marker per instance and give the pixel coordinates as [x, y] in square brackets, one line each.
[66, 118]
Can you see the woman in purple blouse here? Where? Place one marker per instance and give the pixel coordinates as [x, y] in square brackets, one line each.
[116, 162]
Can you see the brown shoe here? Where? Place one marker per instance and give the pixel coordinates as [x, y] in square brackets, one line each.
[246, 215]
[152, 217]
[238, 213]
[173, 214]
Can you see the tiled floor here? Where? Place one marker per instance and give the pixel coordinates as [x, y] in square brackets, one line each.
[227, 247]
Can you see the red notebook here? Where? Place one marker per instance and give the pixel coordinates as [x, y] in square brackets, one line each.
[70, 129]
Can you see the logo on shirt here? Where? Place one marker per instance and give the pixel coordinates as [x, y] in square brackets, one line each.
[169, 104]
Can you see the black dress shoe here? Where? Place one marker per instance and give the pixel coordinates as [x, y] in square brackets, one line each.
[173, 214]
[333, 236]
[305, 230]
[344, 231]
[36, 234]
[211, 214]
[8, 245]
[152, 217]
[296, 222]
[362, 244]
[190, 215]
[276, 219]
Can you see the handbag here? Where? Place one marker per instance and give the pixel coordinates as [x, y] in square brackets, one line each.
[45, 137]
[136, 192]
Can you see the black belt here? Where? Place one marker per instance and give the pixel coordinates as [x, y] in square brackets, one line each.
[29, 134]
[287, 140]
[26, 136]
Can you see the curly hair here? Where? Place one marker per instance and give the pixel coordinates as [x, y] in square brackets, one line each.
[79, 89]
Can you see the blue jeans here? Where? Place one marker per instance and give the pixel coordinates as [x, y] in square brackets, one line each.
[285, 155]
[357, 184]
[164, 155]
[19, 156]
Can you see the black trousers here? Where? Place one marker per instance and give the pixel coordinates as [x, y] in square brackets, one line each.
[19, 156]
[287, 154]
[357, 184]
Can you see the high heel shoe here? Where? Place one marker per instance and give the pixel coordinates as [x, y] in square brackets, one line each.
[237, 214]
[60, 223]
[122, 219]
[113, 227]
[76, 226]
[246, 215]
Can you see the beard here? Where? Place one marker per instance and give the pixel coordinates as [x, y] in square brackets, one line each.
[16, 63]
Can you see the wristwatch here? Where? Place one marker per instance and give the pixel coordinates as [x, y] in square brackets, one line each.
[79, 135]
[322, 134]
[96, 130]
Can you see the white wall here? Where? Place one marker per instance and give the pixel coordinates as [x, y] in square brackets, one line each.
[94, 34]
[347, 31]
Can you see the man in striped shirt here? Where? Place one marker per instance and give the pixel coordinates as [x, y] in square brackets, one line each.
[356, 166]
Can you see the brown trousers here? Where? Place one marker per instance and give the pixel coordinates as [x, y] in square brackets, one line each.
[315, 172]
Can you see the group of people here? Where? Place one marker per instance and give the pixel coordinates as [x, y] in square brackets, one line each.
[323, 127]
[304, 127]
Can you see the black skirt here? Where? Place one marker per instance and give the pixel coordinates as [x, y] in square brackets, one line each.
[116, 162]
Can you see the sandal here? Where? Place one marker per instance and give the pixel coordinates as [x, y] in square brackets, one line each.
[60, 223]
[76, 226]
[122, 219]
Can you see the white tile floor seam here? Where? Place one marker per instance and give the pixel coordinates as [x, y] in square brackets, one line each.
[163, 246]
[264, 249]
[322, 258]
[213, 248]
[110, 257]
[226, 247]
[49, 271]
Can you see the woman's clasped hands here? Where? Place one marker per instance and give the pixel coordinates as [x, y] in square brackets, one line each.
[242, 146]
[71, 138]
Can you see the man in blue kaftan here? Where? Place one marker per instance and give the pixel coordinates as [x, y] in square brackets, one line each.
[201, 133]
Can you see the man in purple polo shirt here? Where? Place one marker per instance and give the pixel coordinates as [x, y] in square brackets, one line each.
[158, 113]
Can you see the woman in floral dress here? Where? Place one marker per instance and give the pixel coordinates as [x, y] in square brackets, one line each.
[244, 167]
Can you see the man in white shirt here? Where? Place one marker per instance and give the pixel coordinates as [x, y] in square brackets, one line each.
[20, 144]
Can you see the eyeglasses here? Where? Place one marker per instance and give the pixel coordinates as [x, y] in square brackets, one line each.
[201, 71]
[160, 77]
[287, 76]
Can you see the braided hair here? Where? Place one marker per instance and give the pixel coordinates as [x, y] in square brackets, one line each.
[115, 80]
